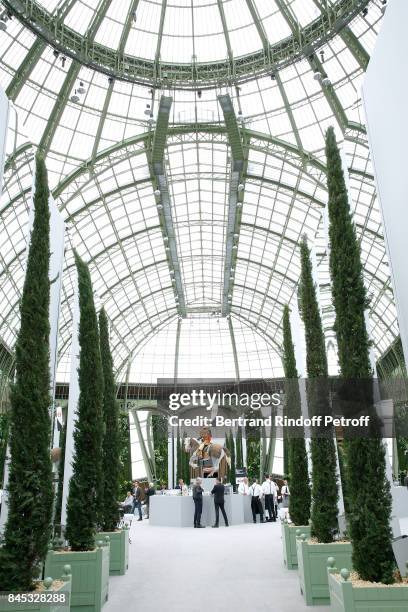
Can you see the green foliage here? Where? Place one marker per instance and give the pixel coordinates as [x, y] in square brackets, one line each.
[30, 500]
[111, 438]
[300, 498]
[84, 488]
[125, 475]
[239, 459]
[253, 452]
[370, 504]
[324, 524]
[160, 444]
[230, 445]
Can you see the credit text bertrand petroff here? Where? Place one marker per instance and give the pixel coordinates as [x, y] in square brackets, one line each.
[276, 421]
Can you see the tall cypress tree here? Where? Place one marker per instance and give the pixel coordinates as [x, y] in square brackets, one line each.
[370, 505]
[111, 442]
[30, 499]
[85, 484]
[239, 450]
[300, 498]
[324, 480]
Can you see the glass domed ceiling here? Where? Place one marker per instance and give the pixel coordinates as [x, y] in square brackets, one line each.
[98, 132]
[185, 42]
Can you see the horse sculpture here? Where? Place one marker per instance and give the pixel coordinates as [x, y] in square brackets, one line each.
[208, 459]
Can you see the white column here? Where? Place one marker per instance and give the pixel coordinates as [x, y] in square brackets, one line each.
[72, 413]
[385, 94]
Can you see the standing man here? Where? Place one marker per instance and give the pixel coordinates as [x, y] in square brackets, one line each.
[137, 497]
[218, 491]
[269, 491]
[149, 491]
[255, 492]
[198, 503]
[243, 488]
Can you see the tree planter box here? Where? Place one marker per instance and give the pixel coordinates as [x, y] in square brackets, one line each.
[289, 533]
[345, 597]
[312, 568]
[90, 575]
[119, 550]
[65, 588]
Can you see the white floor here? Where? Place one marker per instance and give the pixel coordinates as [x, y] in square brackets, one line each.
[206, 570]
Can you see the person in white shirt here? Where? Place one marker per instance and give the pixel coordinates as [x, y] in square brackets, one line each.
[243, 488]
[255, 491]
[285, 494]
[269, 490]
[128, 503]
[182, 486]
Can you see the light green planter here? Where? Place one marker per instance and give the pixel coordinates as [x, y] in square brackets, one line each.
[289, 533]
[90, 575]
[19, 606]
[345, 597]
[119, 550]
[312, 568]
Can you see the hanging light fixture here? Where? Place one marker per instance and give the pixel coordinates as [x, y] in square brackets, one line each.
[81, 89]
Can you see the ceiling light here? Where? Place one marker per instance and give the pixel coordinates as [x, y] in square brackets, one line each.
[199, 93]
[55, 53]
[239, 204]
[235, 247]
[81, 89]
[384, 6]
[322, 56]
[159, 206]
[326, 81]
[3, 26]
[316, 75]
[75, 98]
[241, 187]
[236, 236]
[273, 76]
[364, 12]
[231, 278]
[157, 192]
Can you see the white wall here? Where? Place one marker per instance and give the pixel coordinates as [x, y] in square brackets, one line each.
[385, 94]
[4, 116]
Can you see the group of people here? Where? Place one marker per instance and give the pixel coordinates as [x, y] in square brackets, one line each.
[268, 492]
[265, 498]
[218, 491]
[135, 498]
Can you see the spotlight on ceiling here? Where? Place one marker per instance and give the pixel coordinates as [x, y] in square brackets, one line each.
[326, 81]
[157, 192]
[317, 76]
[3, 26]
[322, 56]
[364, 12]
[160, 207]
[147, 110]
[241, 187]
[384, 6]
[273, 76]
[55, 53]
[199, 93]
[63, 60]
[81, 89]
[75, 98]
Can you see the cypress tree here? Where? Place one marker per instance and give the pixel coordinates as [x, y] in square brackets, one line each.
[111, 442]
[30, 500]
[239, 449]
[324, 524]
[370, 503]
[85, 484]
[300, 497]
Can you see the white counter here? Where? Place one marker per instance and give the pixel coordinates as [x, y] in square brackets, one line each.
[178, 510]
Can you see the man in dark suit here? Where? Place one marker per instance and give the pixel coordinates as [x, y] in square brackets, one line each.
[218, 491]
[198, 503]
[137, 496]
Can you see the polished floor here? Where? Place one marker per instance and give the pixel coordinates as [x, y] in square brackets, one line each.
[206, 570]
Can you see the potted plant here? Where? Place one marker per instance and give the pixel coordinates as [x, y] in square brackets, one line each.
[369, 507]
[299, 499]
[109, 509]
[89, 562]
[30, 494]
[313, 553]
[49, 596]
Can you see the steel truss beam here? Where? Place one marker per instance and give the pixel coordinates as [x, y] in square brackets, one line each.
[164, 205]
[271, 57]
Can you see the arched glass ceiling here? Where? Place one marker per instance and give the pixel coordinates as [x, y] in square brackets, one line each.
[98, 150]
[184, 42]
